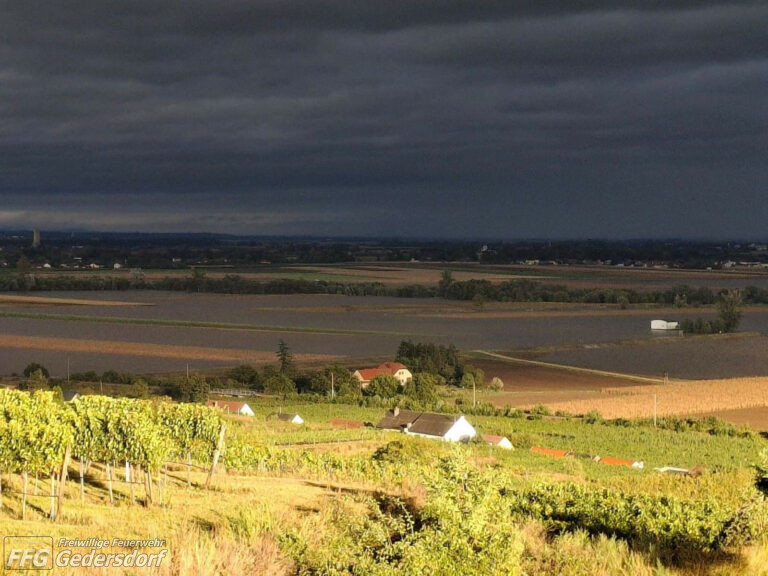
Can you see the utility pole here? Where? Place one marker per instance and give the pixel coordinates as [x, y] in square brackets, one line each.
[187, 370]
[333, 392]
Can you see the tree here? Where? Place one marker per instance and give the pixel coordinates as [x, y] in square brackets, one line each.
[496, 384]
[198, 280]
[35, 367]
[422, 387]
[284, 357]
[446, 279]
[245, 375]
[478, 376]
[383, 385]
[342, 381]
[140, 388]
[279, 385]
[433, 358]
[23, 263]
[478, 301]
[194, 389]
[36, 381]
[467, 380]
[728, 307]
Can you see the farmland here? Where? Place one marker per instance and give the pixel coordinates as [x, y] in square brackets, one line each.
[681, 398]
[325, 325]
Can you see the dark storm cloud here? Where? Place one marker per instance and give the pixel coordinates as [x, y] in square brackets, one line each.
[612, 118]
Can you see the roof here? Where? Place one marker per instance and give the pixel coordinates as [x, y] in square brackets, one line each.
[392, 367]
[371, 373]
[550, 451]
[397, 420]
[286, 417]
[620, 462]
[70, 395]
[492, 439]
[387, 368]
[427, 423]
[228, 405]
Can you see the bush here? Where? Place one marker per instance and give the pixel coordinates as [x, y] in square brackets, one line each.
[540, 410]
[383, 386]
[593, 417]
[496, 384]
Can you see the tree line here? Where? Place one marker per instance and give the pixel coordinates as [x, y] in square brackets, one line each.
[478, 291]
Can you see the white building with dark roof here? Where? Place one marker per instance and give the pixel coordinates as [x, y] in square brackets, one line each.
[452, 428]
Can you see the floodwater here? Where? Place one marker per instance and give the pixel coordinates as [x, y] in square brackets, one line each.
[388, 320]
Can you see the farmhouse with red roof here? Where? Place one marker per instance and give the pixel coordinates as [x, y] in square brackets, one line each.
[399, 371]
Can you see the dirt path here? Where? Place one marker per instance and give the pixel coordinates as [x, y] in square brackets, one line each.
[570, 368]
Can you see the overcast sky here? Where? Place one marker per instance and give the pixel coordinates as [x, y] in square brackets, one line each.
[447, 118]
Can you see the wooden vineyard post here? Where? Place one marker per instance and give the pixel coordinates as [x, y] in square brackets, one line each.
[216, 453]
[25, 484]
[148, 486]
[63, 479]
[129, 479]
[189, 466]
[162, 480]
[109, 483]
[53, 496]
[34, 490]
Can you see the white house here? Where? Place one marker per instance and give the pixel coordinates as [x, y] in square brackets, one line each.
[292, 418]
[399, 371]
[231, 407]
[498, 441]
[447, 427]
[664, 325]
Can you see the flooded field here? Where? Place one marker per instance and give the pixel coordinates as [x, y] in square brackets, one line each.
[353, 327]
[687, 358]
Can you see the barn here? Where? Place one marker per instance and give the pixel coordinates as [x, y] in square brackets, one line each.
[451, 428]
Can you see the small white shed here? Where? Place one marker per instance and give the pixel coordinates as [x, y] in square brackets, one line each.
[664, 325]
[498, 441]
[292, 418]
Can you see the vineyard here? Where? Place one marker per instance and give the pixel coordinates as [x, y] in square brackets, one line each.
[39, 435]
[314, 499]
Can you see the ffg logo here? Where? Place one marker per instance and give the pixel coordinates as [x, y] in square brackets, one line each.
[28, 553]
